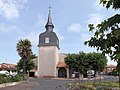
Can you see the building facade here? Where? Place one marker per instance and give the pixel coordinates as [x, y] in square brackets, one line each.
[109, 68]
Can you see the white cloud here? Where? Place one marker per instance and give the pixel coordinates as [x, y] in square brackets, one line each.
[10, 8]
[32, 36]
[95, 18]
[8, 28]
[38, 27]
[85, 36]
[75, 27]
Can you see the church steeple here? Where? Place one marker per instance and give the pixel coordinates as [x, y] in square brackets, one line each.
[49, 25]
[48, 38]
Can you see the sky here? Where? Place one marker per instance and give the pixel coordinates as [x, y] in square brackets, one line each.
[26, 19]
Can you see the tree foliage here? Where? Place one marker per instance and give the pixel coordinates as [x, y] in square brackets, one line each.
[29, 63]
[82, 62]
[115, 4]
[97, 61]
[70, 60]
[24, 48]
[24, 51]
[107, 34]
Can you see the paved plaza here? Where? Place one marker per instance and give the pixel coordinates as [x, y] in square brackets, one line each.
[40, 84]
[52, 84]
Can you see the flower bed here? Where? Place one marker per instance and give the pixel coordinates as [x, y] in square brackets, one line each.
[93, 86]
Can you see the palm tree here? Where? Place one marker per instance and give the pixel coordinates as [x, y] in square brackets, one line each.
[24, 51]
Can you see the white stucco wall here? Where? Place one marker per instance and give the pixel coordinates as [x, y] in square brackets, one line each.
[47, 60]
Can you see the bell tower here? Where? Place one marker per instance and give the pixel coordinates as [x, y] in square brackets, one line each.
[48, 51]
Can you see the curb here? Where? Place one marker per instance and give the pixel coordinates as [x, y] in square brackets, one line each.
[77, 78]
[10, 84]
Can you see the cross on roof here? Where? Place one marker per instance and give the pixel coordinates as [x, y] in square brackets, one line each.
[49, 8]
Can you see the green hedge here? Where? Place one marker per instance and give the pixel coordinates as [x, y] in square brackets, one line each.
[6, 79]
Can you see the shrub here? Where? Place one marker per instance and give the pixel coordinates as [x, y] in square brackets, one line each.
[19, 77]
[6, 79]
[3, 78]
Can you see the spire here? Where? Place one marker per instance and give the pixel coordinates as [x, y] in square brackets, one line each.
[49, 25]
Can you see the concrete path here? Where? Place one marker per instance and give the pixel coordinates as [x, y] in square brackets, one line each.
[22, 86]
[51, 84]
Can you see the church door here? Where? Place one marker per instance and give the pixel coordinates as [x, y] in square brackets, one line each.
[62, 72]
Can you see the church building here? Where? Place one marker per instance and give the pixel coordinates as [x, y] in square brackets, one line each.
[50, 62]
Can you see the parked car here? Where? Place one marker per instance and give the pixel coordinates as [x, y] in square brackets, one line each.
[90, 73]
[4, 72]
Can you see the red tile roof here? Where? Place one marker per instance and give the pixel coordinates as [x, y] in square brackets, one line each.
[62, 64]
[111, 66]
[7, 66]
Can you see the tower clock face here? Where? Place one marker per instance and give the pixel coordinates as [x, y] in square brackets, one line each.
[47, 40]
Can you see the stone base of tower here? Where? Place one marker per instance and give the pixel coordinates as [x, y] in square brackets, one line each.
[39, 75]
[46, 76]
[47, 61]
